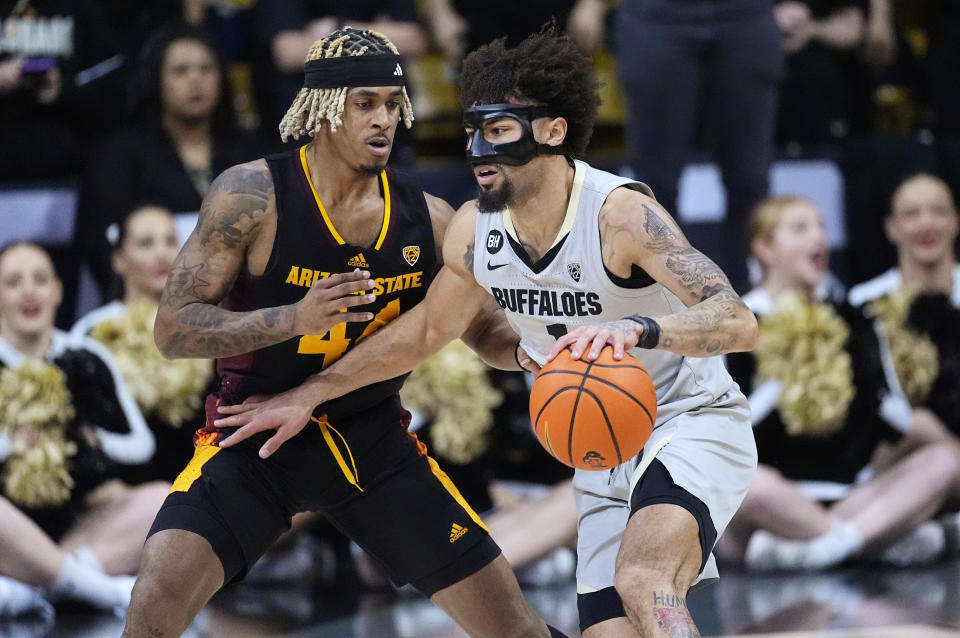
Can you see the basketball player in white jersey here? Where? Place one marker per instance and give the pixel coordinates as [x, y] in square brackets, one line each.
[576, 256]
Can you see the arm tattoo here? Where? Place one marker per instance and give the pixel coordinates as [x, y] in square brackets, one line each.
[194, 325]
[703, 328]
[705, 282]
[661, 236]
[204, 330]
[190, 283]
[468, 257]
[241, 195]
[696, 271]
[184, 282]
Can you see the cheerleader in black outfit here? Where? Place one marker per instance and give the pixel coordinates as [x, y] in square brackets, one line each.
[915, 307]
[169, 393]
[821, 406]
[65, 417]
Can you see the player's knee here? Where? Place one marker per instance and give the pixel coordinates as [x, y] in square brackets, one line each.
[164, 598]
[156, 584]
[176, 568]
[635, 583]
[156, 605]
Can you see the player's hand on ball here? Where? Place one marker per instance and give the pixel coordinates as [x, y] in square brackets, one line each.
[328, 301]
[287, 413]
[622, 335]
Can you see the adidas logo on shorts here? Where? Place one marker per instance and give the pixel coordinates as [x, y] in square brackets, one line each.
[456, 532]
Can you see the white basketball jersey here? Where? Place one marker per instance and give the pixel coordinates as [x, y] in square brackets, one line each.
[570, 287]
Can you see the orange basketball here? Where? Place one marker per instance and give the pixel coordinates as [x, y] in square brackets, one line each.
[593, 415]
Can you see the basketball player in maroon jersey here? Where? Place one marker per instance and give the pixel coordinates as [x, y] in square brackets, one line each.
[255, 287]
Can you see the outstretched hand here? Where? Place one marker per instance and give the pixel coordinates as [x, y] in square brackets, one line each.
[287, 413]
[622, 335]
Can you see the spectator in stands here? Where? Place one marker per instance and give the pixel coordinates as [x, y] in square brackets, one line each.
[284, 30]
[821, 406]
[65, 416]
[459, 26]
[722, 62]
[916, 307]
[183, 136]
[60, 84]
[168, 393]
[942, 69]
[879, 35]
[889, 128]
[820, 38]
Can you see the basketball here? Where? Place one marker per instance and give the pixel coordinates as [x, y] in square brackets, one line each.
[593, 415]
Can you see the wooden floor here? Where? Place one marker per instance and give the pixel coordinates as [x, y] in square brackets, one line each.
[855, 602]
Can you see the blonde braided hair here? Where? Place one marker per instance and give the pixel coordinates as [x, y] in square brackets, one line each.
[312, 106]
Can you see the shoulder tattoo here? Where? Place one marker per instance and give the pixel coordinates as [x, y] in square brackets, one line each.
[697, 272]
[234, 204]
[661, 237]
[468, 257]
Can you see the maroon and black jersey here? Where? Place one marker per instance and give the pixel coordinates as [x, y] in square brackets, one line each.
[402, 261]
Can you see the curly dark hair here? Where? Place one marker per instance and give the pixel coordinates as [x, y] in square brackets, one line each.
[545, 69]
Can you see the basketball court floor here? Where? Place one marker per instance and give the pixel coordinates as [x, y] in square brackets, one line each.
[853, 602]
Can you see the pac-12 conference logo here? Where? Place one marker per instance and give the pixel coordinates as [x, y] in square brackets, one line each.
[494, 242]
[411, 254]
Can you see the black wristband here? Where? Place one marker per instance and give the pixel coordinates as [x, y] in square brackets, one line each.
[651, 331]
[516, 355]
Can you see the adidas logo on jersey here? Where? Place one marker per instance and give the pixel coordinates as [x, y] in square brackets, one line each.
[398, 71]
[456, 532]
[358, 261]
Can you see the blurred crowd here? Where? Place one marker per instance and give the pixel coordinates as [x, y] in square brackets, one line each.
[854, 385]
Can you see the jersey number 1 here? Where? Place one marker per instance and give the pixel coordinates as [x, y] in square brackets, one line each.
[556, 330]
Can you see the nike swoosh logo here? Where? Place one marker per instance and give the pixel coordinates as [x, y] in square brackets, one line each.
[491, 266]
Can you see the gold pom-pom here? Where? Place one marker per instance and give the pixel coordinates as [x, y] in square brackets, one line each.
[452, 387]
[801, 345]
[171, 391]
[915, 358]
[35, 409]
[39, 476]
[34, 395]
